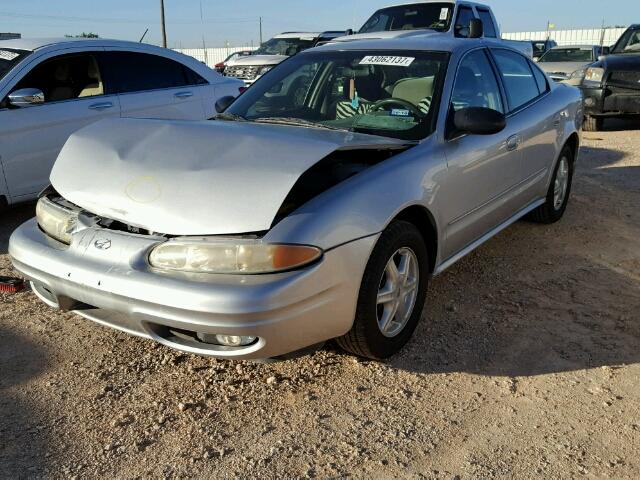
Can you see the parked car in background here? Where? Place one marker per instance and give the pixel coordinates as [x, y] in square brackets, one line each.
[274, 51]
[219, 67]
[453, 18]
[51, 88]
[540, 47]
[611, 86]
[569, 64]
[320, 212]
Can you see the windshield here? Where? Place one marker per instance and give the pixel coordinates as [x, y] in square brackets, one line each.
[568, 55]
[284, 46]
[628, 43]
[392, 94]
[10, 57]
[436, 16]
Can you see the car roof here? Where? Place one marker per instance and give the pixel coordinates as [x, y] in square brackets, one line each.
[453, 2]
[410, 40]
[585, 46]
[33, 44]
[298, 35]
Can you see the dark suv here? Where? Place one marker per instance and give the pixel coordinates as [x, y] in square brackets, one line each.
[611, 85]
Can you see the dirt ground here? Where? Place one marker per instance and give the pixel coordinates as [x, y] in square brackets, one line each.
[526, 364]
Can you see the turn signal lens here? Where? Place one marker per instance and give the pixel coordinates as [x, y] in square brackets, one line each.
[230, 256]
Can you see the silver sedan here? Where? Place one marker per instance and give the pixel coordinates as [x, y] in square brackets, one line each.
[316, 206]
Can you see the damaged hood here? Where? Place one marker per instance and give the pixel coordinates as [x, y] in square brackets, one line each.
[193, 178]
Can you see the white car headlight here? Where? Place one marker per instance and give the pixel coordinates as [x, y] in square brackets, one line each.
[55, 220]
[593, 76]
[234, 256]
[263, 70]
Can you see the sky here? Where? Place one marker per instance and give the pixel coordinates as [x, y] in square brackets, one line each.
[235, 22]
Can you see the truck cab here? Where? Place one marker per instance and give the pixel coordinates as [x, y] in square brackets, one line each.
[453, 18]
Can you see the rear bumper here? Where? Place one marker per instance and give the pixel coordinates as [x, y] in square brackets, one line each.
[286, 311]
[611, 101]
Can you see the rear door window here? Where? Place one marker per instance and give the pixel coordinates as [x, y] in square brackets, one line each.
[517, 77]
[487, 21]
[138, 72]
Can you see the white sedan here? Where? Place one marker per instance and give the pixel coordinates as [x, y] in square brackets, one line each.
[51, 88]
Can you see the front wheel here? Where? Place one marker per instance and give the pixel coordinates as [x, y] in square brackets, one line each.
[559, 190]
[392, 294]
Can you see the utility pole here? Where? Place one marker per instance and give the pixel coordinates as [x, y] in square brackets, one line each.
[260, 31]
[164, 27]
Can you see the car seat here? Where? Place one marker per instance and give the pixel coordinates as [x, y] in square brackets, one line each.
[94, 88]
[63, 90]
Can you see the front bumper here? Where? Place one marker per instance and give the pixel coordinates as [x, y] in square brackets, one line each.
[611, 101]
[116, 287]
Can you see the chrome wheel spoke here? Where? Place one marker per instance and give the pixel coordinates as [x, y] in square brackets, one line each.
[398, 292]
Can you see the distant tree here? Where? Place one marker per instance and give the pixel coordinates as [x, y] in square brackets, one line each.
[84, 35]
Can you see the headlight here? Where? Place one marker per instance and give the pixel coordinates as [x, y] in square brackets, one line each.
[56, 221]
[230, 256]
[578, 74]
[263, 70]
[594, 76]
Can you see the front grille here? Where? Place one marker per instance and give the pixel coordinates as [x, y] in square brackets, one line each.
[625, 79]
[249, 72]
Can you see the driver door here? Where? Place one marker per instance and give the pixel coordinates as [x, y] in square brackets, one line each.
[33, 136]
[483, 169]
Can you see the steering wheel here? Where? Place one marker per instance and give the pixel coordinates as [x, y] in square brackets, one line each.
[397, 102]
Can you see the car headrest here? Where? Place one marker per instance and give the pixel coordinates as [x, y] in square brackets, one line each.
[92, 71]
[413, 90]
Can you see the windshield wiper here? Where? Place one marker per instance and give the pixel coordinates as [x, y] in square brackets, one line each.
[231, 117]
[296, 122]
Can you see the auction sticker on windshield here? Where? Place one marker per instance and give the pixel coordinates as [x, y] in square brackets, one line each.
[387, 60]
[7, 55]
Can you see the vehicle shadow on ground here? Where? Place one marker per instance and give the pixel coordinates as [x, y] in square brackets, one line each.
[23, 433]
[572, 321]
[620, 124]
[12, 218]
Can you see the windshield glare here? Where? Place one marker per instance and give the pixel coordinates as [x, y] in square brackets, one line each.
[284, 46]
[568, 55]
[436, 16]
[629, 43]
[385, 93]
[10, 57]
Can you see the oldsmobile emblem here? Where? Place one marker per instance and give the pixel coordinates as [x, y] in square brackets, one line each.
[102, 244]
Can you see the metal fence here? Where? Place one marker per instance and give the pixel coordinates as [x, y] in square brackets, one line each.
[211, 56]
[588, 36]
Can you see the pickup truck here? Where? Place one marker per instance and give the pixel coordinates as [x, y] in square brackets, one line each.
[453, 18]
[611, 86]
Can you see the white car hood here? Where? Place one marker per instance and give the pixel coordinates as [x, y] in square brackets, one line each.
[251, 60]
[193, 178]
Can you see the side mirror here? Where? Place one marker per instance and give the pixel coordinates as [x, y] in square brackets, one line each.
[349, 31]
[26, 97]
[476, 28]
[479, 121]
[223, 103]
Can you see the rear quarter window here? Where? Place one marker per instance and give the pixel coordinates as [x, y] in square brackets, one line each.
[487, 21]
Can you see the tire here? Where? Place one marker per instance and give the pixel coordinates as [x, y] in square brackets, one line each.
[593, 124]
[553, 209]
[401, 242]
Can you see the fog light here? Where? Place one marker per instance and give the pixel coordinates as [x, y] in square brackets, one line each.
[227, 340]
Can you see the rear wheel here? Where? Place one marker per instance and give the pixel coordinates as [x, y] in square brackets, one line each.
[392, 294]
[593, 124]
[559, 190]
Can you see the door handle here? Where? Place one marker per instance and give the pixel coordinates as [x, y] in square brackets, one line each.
[183, 94]
[513, 143]
[101, 105]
